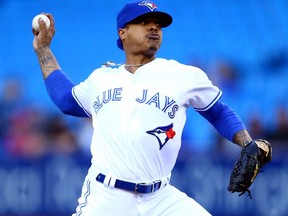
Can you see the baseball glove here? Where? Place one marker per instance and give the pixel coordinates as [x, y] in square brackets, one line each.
[253, 156]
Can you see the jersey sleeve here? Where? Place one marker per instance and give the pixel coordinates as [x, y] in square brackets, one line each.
[203, 94]
[81, 94]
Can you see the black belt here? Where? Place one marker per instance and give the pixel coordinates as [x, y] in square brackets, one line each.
[143, 188]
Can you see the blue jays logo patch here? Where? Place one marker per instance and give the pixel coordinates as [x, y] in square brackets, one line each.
[148, 4]
[162, 134]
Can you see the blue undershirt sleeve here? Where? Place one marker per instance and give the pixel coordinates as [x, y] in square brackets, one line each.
[224, 120]
[59, 88]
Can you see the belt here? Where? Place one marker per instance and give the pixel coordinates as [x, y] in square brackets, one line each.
[142, 188]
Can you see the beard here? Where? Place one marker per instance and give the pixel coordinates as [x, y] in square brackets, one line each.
[152, 50]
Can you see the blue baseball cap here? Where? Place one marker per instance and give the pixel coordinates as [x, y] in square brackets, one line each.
[136, 9]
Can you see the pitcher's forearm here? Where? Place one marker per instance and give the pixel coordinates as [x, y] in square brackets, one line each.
[47, 60]
[242, 137]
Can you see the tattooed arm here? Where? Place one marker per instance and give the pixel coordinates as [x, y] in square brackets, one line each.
[227, 123]
[58, 85]
[41, 45]
[47, 60]
[242, 137]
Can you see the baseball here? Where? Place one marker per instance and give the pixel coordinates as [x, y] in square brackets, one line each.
[35, 24]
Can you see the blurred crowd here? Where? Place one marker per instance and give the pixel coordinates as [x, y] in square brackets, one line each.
[269, 123]
[28, 130]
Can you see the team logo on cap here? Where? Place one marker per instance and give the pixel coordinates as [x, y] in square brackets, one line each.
[162, 134]
[148, 4]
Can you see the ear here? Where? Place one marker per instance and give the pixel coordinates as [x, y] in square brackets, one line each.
[122, 34]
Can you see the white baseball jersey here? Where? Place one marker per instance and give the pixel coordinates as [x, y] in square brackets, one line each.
[138, 118]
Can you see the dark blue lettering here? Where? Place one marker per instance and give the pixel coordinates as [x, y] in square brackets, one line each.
[108, 95]
[168, 103]
[117, 94]
[144, 97]
[155, 99]
[97, 105]
[173, 112]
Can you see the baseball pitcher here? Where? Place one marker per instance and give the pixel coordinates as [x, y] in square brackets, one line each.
[138, 112]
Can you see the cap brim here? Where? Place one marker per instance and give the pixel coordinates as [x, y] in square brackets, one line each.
[164, 18]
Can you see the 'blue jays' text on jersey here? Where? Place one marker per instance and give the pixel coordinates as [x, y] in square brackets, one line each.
[138, 118]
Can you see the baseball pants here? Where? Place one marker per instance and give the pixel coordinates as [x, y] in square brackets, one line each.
[99, 199]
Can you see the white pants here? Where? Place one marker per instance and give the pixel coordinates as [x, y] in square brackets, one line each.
[98, 199]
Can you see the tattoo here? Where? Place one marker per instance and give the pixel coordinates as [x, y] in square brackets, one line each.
[48, 62]
[242, 137]
[46, 59]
